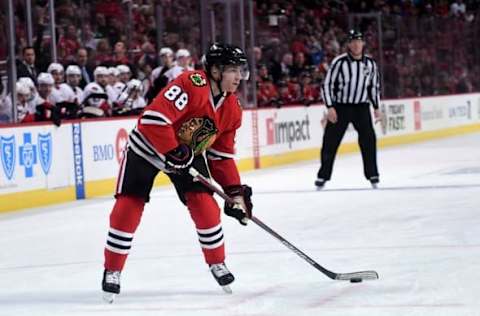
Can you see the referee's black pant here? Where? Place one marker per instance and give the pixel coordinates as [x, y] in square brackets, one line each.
[359, 115]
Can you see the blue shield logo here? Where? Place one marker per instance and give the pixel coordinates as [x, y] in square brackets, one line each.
[27, 155]
[45, 151]
[7, 147]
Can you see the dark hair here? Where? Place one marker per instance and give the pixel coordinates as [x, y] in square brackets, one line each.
[27, 47]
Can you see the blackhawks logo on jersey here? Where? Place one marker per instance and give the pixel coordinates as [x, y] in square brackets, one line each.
[198, 80]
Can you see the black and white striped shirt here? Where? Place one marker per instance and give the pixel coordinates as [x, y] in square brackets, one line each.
[351, 81]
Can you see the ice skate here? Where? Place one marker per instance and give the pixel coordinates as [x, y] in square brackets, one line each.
[320, 183]
[223, 276]
[374, 182]
[110, 285]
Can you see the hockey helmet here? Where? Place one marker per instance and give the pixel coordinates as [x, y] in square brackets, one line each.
[222, 55]
[45, 78]
[134, 85]
[73, 70]
[55, 67]
[355, 35]
[22, 89]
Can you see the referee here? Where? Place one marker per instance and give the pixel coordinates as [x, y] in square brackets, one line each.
[351, 83]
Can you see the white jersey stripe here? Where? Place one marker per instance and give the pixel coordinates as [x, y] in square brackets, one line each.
[220, 153]
[157, 114]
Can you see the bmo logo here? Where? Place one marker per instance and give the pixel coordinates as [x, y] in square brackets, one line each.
[121, 144]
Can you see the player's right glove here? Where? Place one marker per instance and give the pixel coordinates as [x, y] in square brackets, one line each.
[242, 208]
[179, 159]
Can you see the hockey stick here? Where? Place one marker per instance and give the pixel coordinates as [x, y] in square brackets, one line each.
[352, 276]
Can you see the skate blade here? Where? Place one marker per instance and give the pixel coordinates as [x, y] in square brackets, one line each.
[227, 289]
[108, 297]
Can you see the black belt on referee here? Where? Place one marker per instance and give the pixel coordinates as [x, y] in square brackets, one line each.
[351, 104]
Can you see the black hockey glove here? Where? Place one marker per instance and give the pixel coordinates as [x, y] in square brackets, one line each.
[179, 159]
[242, 208]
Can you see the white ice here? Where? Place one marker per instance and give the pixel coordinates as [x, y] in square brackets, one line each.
[420, 231]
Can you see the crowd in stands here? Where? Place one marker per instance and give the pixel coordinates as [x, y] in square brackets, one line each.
[426, 48]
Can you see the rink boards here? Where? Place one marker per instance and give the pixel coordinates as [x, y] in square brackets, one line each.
[43, 164]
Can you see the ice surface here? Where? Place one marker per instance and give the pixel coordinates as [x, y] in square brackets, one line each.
[420, 231]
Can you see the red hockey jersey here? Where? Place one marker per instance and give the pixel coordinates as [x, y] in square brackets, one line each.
[189, 96]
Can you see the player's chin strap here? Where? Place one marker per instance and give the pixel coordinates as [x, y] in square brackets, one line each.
[218, 82]
[355, 276]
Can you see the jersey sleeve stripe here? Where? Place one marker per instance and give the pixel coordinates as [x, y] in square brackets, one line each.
[156, 115]
[148, 120]
[217, 155]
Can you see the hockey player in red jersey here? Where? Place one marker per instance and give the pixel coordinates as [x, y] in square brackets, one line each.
[203, 106]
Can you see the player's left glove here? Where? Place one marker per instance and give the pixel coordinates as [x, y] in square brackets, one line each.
[242, 208]
[179, 159]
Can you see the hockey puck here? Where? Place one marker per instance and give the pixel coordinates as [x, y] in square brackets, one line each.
[355, 280]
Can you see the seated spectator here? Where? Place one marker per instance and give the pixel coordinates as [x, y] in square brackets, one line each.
[310, 92]
[283, 68]
[299, 65]
[267, 94]
[68, 44]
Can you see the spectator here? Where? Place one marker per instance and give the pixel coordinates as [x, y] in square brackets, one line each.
[68, 44]
[299, 65]
[310, 92]
[284, 68]
[120, 54]
[103, 54]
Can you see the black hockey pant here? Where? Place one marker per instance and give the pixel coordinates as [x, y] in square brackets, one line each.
[360, 117]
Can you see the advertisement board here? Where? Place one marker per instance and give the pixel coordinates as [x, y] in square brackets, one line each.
[35, 157]
[290, 129]
[52, 163]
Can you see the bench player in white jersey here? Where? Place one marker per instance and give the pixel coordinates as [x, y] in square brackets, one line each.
[95, 99]
[60, 91]
[183, 62]
[130, 101]
[25, 109]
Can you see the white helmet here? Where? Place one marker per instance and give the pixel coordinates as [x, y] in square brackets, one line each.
[28, 82]
[45, 78]
[134, 84]
[100, 70]
[182, 52]
[166, 51]
[73, 70]
[55, 67]
[113, 71]
[22, 88]
[123, 69]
